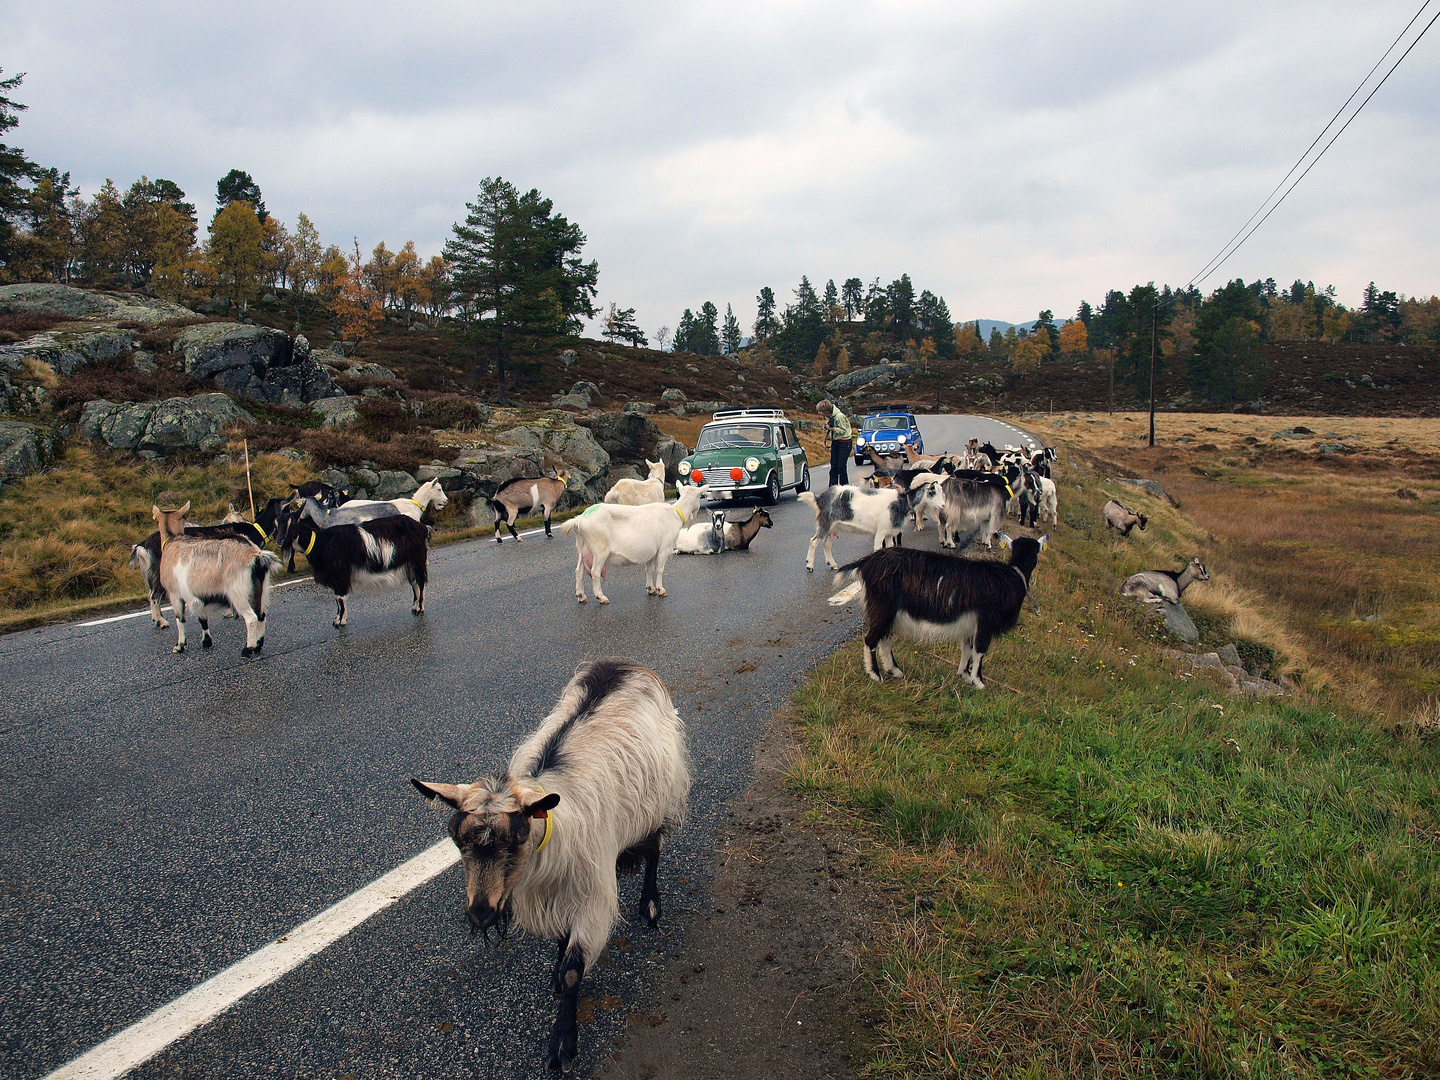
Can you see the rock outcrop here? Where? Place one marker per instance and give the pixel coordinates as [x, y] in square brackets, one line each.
[1150, 487]
[24, 449]
[884, 374]
[163, 427]
[336, 410]
[66, 300]
[256, 362]
[67, 352]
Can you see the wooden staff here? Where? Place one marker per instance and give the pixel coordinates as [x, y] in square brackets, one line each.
[251, 490]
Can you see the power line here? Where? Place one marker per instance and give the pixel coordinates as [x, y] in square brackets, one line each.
[1208, 268]
[1233, 245]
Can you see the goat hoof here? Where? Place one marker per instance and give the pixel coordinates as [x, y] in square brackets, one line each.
[661, 592]
[248, 652]
[335, 623]
[178, 649]
[651, 910]
[603, 599]
[205, 642]
[809, 569]
[875, 675]
[580, 599]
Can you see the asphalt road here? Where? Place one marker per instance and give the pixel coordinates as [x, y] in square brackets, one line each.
[164, 817]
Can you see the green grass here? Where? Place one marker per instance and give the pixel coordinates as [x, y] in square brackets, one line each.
[1112, 871]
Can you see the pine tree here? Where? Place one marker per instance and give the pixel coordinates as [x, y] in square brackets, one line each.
[852, 295]
[14, 168]
[238, 186]
[831, 300]
[766, 325]
[730, 332]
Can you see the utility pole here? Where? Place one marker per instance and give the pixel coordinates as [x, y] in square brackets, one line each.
[1154, 348]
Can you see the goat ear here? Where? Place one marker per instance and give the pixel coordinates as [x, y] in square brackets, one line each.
[155, 511]
[543, 805]
[451, 794]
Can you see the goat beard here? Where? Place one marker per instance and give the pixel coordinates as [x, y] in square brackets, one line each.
[501, 926]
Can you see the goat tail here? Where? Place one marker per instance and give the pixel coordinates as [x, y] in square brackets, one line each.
[265, 565]
[808, 498]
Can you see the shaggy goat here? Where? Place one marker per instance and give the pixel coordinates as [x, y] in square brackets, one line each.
[414, 506]
[627, 492]
[845, 508]
[931, 596]
[1153, 586]
[1118, 517]
[974, 503]
[199, 573]
[524, 494]
[720, 535]
[368, 557]
[145, 556]
[629, 534]
[600, 786]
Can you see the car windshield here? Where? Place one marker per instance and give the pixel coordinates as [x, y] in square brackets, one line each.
[886, 423]
[720, 436]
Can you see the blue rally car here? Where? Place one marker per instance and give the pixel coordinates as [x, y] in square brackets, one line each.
[888, 433]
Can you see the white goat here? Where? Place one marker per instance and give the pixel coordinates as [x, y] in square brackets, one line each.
[1049, 499]
[198, 573]
[627, 492]
[427, 494]
[1156, 586]
[601, 785]
[630, 534]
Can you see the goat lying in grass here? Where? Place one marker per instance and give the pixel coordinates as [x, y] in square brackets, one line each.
[717, 535]
[368, 557]
[844, 508]
[1155, 586]
[630, 534]
[145, 556]
[931, 596]
[199, 573]
[600, 786]
[1118, 517]
[629, 492]
[521, 496]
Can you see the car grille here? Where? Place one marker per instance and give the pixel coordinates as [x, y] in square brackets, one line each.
[718, 477]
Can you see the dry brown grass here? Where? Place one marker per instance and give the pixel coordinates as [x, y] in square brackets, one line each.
[1333, 559]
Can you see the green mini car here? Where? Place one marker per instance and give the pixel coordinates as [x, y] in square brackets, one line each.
[748, 453]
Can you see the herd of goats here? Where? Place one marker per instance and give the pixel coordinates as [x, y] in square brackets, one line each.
[602, 784]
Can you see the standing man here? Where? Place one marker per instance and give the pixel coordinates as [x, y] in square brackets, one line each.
[839, 435]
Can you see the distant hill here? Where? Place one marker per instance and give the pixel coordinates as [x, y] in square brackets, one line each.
[986, 325]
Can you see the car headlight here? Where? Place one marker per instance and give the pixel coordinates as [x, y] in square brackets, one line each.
[752, 464]
[860, 441]
[684, 469]
[902, 440]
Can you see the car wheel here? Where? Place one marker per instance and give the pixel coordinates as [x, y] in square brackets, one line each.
[772, 489]
[804, 479]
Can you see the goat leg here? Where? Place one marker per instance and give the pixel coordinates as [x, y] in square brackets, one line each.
[569, 973]
[205, 640]
[650, 890]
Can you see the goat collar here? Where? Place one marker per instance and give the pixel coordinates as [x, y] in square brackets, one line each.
[681, 513]
[549, 826]
[264, 536]
[418, 503]
[310, 546]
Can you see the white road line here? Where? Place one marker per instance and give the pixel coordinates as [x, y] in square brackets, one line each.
[166, 607]
[145, 1038]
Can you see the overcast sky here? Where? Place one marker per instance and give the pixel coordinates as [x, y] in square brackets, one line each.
[1008, 156]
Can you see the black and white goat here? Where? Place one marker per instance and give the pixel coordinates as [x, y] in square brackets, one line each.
[369, 557]
[1154, 586]
[601, 786]
[327, 496]
[201, 573]
[973, 505]
[1118, 517]
[932, 596]
[845, 508]
[145, 556]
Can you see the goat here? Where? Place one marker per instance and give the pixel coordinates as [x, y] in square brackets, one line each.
[524, 494]
[845, 508]
[1040, 461]
[145, 556]
[1049, 500]
[414, 506]
[627, 492]
[347, 515]
[1027, 494]
[608, 775]
[630, 534]
[931, 596]
[924, 462]
[1154, 586]
[198, 573]
[721, 535]
[1118, 517]
[974, 503]
[368, 557]
[327, 496]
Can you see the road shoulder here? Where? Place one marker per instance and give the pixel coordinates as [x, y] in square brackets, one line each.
[768, 980]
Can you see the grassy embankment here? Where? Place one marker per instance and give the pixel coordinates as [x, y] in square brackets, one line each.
[1104, 869]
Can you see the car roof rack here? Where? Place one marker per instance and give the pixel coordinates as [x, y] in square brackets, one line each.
[749, 414]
